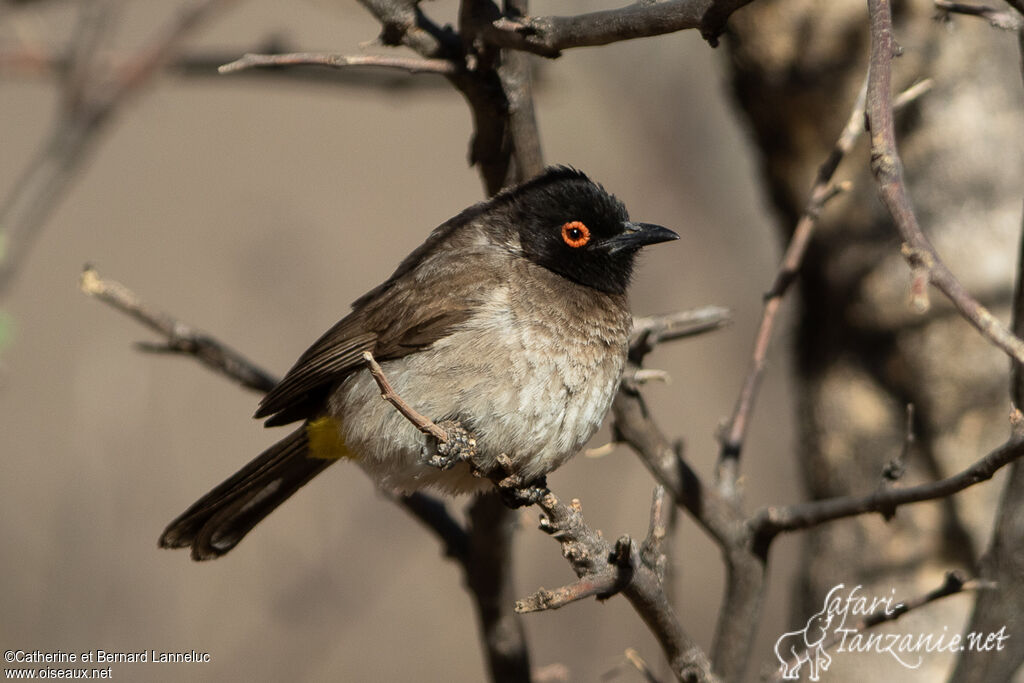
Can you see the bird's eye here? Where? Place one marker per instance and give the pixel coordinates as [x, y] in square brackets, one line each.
[575, 234]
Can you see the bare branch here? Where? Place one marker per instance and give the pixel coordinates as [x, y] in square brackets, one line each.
[590, 554]
[604, 569]
[388, 393]
[888, 170]
[822, 190]
[662, 514]
[774, 520]
[602, 585]
[412, 65]
[488, 569]
[517, 82]
[180, 338]
[548, 36]
[650, 331]
[1001, 19]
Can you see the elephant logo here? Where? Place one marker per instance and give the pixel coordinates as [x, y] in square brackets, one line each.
[806, 646]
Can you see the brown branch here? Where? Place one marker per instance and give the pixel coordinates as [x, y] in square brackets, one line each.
[590, 554]
[604, 569]
[652, 330]
[517, 82]
[30, 63]
[652, 551]
[213, 354]
[548, 36]
[734, 435]
[422, 423]
[745, 563]
[403, 23]
[606, 583]
[1001, 19]
[888, 171]
[179, 337]
[771, 521]
[602, 585]
[251, 60]
[489, 572]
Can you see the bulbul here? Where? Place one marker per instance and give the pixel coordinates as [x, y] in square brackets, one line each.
[511, 320]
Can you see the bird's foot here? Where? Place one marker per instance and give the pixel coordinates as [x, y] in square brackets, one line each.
[515, 491]
[459, 447]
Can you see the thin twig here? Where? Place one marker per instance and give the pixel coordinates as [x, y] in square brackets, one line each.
[771, 521]
[411, 65]
[652, 330]
[734, 435]
[422, 423]
[638, 663]
[180, 338]
[601, 585]
[888, 171]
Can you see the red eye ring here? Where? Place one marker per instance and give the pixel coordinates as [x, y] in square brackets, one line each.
[575, 234]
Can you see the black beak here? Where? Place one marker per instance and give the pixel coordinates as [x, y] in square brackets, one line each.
[636, 235]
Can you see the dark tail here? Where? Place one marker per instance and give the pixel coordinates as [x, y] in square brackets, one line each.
[219, 520]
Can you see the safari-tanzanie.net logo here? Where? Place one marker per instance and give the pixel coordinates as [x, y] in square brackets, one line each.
[839, 627]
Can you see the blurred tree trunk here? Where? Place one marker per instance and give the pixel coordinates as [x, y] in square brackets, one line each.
[862, 353]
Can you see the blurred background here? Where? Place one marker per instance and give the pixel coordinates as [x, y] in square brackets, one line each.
[257, 209]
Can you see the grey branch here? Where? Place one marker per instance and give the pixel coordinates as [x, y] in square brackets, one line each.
[178, 337]
[771, 521]
[548, 36]
[1001, 19]
[822, 190]
[411, 65]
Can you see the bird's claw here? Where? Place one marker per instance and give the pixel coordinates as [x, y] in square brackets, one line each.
[460, 447]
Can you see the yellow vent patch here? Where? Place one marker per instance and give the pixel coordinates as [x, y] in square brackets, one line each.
[325, 442]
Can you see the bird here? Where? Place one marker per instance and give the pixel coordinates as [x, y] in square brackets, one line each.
[510, 320]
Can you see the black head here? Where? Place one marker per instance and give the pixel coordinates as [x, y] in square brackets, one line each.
[570, 225]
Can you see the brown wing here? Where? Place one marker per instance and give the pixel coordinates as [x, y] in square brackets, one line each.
[433, 291]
